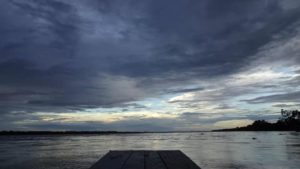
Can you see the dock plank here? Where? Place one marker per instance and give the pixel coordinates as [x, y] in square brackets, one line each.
[153, 160]
[135, 161]
[144, 159]
[175, 159]
[112, 160]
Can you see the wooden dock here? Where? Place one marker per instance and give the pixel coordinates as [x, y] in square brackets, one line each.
[144, 159]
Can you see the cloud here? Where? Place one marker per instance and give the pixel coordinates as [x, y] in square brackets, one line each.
[184, 90]
[286, 97]
[233, 123]
[286, 105]
[212, 118]
[65, 56]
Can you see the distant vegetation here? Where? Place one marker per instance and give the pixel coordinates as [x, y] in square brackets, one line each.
[289, 121]
[61, 132]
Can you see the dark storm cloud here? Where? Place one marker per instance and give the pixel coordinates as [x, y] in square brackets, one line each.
[206, 37]
[58, 56]
[42, 32]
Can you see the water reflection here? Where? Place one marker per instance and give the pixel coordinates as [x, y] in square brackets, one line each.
[212, 150]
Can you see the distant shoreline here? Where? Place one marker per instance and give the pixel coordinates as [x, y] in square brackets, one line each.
[62, 133]
[12, 133]
[240, 129]
[262, 125]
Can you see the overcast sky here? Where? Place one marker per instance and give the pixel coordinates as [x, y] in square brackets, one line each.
[136, 65]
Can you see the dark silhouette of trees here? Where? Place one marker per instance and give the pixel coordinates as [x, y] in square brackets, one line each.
[290, 114]
[289, 121]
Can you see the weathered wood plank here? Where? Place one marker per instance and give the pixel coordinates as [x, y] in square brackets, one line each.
[153, 160]
[135, 161]
[172, 159]
[112, 160]
[177, 160]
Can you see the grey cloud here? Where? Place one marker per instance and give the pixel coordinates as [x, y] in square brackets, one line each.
[184, 90]
[25, 86]
[286, 105]
[210, 118]
[152, 124]
[186, 121]
[224, 106]
[42, 32]
[294, 82]
[286, 97]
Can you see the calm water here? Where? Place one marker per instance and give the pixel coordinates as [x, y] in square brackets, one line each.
[211, 150]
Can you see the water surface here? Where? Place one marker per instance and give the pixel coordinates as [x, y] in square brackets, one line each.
[210, 150]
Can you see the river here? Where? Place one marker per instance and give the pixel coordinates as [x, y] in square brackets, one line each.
[210, 150]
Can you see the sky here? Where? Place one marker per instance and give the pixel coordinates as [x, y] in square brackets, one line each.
[147, 65]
